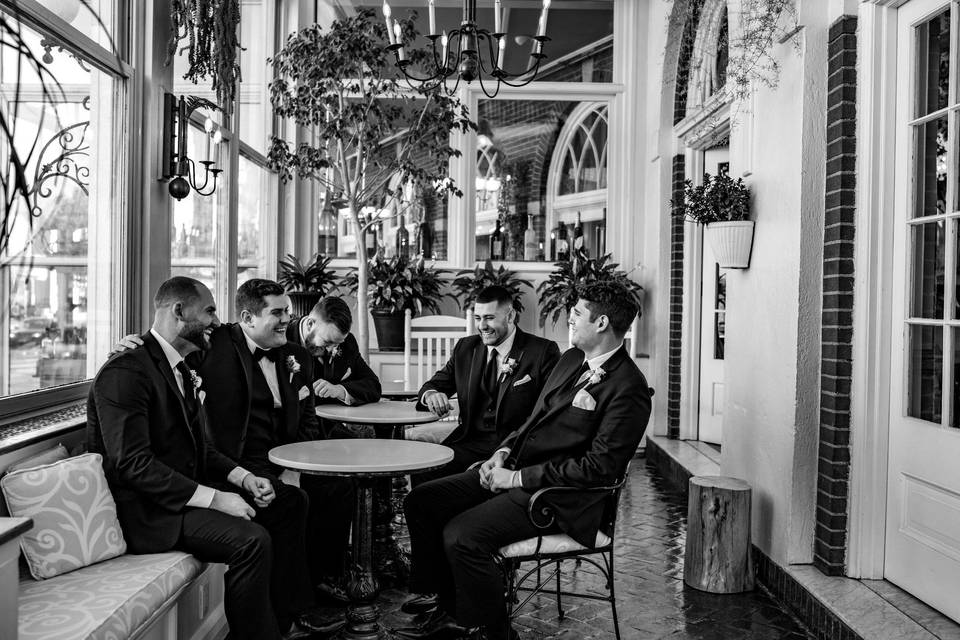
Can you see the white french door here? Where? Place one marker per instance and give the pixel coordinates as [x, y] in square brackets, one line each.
[713, 322]
[922, 552]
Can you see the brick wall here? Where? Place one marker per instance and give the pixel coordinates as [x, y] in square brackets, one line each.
[830, 536]
[676, 304]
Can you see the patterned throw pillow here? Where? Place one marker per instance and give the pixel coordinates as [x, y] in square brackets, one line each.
[74, 516]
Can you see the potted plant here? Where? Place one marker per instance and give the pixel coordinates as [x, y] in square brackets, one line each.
[306, 283]
[371, 137]
[393, 286]
[558, 293]
[723, 205]
[469, 283]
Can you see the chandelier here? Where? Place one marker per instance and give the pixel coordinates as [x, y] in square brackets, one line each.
[469, 52]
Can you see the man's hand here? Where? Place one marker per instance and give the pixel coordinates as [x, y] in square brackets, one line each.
[500, 479]
[130, 341]
[232, 505]
[260, 488]
[325, 389]
[494, 462]
[438, 402]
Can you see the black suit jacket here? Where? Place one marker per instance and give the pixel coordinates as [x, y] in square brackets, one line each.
[563, 445]
[347, 368]
[227, 371]
[461, 374]
[152, 457]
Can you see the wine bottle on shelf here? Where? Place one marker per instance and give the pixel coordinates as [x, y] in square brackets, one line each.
[370, 241]
[403, 239]
[424, 240]
[327, 228]
[578, 234]
[496, 241]
[563, 243]
[530, 241]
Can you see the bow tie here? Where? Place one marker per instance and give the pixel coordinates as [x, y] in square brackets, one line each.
[269, 354]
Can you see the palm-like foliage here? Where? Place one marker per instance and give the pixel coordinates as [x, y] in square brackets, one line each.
[400, 283]
[316, 275]
[470, 282]
[558, 293]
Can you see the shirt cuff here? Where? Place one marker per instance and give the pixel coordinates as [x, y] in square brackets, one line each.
[347, 398]
[516, 482]
[237, 476]
[504, 450]
[426, 394]
[202, 498]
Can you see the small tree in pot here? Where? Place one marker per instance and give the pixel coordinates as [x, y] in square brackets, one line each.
[395, 285]
[723, 205]
[341, 84]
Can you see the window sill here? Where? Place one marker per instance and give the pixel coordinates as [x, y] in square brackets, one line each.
[16, 435]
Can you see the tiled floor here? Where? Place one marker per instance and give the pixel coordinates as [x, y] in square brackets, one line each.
[652, 600]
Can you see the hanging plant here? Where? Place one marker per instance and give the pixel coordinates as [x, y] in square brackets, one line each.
[210, 28]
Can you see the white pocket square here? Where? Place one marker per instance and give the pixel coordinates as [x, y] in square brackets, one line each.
[347, 374]
[303, 392]
[584, 400]
[524, 380]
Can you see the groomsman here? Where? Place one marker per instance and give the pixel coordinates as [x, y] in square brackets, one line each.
[173, 489]
[583, 431]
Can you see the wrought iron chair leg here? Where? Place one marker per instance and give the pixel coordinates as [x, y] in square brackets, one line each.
[613, 597]
[559, 604]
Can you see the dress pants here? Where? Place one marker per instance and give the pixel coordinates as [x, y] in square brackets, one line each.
[246, 549]
[285, 518]
[328, 525]
[456, 526]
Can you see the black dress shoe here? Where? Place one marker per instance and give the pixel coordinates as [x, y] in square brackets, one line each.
[438, 626]
[332, 593]
[420, 604]
[320, 623]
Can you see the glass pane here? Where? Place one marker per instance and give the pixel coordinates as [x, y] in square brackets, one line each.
[933, 63]
[56, 271]
[93, 18]
[955, 402]
[258, 203]
[930, 172]
[925, 376]
[720, 314]
[927, 252]
[256, 38]
[185, 87]
[195, 221]
[534, 138]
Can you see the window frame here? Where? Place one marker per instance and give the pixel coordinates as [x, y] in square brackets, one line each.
[34, 15]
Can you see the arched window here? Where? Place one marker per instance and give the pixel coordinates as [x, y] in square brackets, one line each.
[711, 54]
[489, 167]
[577, 183]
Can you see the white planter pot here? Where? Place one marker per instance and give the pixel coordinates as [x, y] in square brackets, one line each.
[731, 242]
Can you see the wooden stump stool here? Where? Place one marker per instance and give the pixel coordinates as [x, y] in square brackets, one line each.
[717, 557]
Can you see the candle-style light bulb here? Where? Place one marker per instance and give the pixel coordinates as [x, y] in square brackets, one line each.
[208, 125]
[217, 136]
[443, 44]
[542, 30]
[503, 45]
[433, 18]
[398, 33]
[496, 17]
[386, 18]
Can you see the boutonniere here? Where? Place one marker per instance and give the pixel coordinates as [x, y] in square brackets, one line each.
[195, 379]
[508, 367]
[292, 366]
[333, 351]
[596, 376]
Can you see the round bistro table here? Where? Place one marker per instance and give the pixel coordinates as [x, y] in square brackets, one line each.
[365, 460]
[386, 414]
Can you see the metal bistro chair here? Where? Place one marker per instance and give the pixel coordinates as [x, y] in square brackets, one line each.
[553, 549]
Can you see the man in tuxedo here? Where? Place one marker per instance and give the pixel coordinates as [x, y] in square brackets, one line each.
[340, 375]
[261, 396]
[172, 488]
[496, 376]
[583, 431]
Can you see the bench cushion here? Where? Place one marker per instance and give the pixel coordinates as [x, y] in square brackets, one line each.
[554, 543]
[109, 600]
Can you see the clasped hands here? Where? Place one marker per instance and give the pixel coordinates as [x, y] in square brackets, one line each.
[324, 389]
[494, 477]
[232, 504]
[438, 402]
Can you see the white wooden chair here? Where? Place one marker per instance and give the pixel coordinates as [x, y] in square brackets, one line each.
[632, 339]
[428, 344]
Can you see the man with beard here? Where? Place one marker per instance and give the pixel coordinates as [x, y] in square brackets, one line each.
[172, 488]
[340, 376]
[258, 395]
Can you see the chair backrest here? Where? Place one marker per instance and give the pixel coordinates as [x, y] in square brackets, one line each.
[428, 344]
[632, 338]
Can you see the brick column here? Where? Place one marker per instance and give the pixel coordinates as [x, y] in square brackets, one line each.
[830, 536]
[676, 304]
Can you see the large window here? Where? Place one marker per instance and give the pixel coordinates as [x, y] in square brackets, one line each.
[63, 97]
[231, 236]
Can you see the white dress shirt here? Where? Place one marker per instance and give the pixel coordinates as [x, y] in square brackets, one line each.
[269, 368]
[203, 496]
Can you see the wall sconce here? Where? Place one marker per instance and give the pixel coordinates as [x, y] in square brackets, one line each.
[177, 167]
